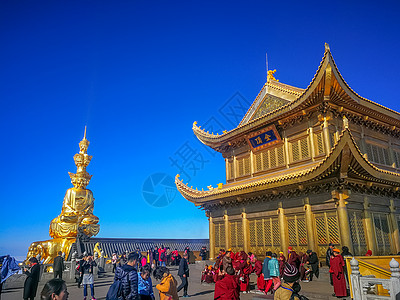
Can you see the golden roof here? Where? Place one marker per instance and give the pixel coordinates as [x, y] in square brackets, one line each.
[326, 81]
[345, 160]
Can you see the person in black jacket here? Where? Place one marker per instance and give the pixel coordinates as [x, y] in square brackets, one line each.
[128, 276]
[183, 273]
[329, 255]
[313, 260]
[32, 281]
[58, 265]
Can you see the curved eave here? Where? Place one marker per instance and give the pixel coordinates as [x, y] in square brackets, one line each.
[359, 165]
[215, 140]
[300, 103]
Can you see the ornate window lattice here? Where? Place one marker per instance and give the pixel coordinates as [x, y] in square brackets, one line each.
[231, 170]
[319, 143]
[297, 231]
[378, 154]
[382, 233]
[258, 161]
[357, 233]
[276, 237]
[219, 235]
[243, 166]
[300, 149]
[268, 159]
[332, 138]
[327, 230]
[253, 230]
[396, 158]
[264, 235]
[281, 156]
[236, 235]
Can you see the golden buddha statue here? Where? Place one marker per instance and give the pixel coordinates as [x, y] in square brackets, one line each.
[76, 218]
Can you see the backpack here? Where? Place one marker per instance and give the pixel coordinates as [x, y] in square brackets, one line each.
[115, 290]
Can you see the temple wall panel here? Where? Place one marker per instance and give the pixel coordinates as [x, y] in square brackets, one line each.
[220, 236]
[237, 236]
[382, 233]
[297, 232]
[357, 230]
[326, 224]
[264, 235]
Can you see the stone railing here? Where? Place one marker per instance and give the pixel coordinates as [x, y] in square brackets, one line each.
[366, 287]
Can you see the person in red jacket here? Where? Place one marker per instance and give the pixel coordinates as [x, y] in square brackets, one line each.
[228, 287]
[162, 257]
[260, 275]
[336, 268]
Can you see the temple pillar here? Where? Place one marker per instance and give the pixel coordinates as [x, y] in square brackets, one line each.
[327, 139]
[311, 236]
[286, 148]
[246, 233]
[369, 227]
[343, 219]
[395, 228]
[311, 137]
[227, 232]
[211, 237]
[283, 228]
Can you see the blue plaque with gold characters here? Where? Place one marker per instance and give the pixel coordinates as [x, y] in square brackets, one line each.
[263, 138]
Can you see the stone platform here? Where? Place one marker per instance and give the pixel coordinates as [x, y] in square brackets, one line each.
[317, 289]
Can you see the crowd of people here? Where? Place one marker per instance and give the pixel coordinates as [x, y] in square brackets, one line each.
[277, 274]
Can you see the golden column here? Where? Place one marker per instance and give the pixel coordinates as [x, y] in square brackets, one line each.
[312, 243]
[283, 228]
[246, 232]
[343, 216]
[325, 131]
[369, 227]
[227, 232]
[395, 228]
[212, 236]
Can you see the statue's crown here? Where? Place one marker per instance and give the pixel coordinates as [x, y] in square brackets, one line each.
[81, 179]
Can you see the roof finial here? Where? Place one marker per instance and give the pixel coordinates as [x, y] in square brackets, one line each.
[271, 76]
[327, 47]
[84, 136]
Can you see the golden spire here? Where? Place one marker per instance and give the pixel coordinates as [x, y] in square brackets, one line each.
[81, 179]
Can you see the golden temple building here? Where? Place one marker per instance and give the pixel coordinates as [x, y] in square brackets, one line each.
[306, 167]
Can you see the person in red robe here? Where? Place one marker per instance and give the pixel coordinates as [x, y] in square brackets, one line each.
[336, 268]
[245, 271]
[207, 275]
[293, 258]
[260, 275]
[228, 287]
[282, 261]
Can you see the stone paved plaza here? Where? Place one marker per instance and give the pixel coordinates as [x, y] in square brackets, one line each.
[317, 289]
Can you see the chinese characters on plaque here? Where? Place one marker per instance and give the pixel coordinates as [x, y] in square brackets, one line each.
[264, 138]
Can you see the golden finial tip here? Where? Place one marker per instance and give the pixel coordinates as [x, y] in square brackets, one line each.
[327, 47]
[84, 136]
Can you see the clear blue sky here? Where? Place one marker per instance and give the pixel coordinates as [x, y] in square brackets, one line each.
[138, 73]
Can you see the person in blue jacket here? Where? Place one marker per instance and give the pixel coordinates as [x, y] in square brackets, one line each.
[273, 266]
[145, 286]
[265, 270]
